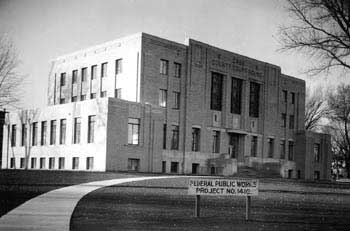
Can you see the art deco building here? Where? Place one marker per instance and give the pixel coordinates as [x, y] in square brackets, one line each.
[143, 103]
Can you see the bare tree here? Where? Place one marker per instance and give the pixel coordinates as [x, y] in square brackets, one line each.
[10, 80]
[315, 108]
[321, 29]
[339, 104]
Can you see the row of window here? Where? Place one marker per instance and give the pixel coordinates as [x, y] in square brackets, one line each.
[285, 96]
[93, 72]
[51, 165]
[33, 132]
[164, 68]
[284, 121]
[163, 98]
[117, 94]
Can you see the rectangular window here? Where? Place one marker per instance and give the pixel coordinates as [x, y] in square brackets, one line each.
[195, 168]
[63, 79]
[164, 135]
[22, 162]
[89, 163]
[285, 96]
[271, 147]
[253, 146]
[62, 100]
[118, 66]
[82, 97]
[33, 163]
[133, 164]
[76, 130]
[91, 128]
[75, 163]
[74, 98]
[291, 121]
[216, 91]
[83, 74]
[118, 93]
[175, 137]
[93, 96]
[176, 100]
[196, 139]
[290, 150]
[174, 167]
[316, 175]
[51, 162]
[43, 132]
[63, 125]
[74, 76]
[93, 72]
[317, 153]
[103, 94]
[61, 163]
[42, 162]
[236, 95]
[284, 120]
[254, 98]
[13, 135]
[164, 67]
[103, 70]
[133, 131]
[24, 135]
[34, 133]
[292, 95]
[162, 97]
[163, 166]
[282, 149]
[177, 70]
[216, 142]
[53, 132]
[12, 162]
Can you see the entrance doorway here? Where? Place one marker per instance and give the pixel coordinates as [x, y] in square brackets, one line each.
[233, 147]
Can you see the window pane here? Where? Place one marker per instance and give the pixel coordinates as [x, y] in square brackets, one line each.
[254, 96]
[236, 95]
[216, 91]
[93, 71]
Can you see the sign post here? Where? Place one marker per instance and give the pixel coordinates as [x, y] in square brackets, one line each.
[223, 187]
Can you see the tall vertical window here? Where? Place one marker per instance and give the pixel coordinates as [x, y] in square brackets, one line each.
[74, 76]
[284, 120]
[63, 79]
[63, 125]
[42, 162]
[22, 162]
[196, 139]
[254, 98]
[33, 163]
[43, 132]
[13, 135]
[177, 70]
[271, 147]
[162, 97]
[290, 150]
[291, 121]
[53, 132]
[164, 135]
[24, 135]
[285, 96]
[61, 163]
[91, 128]
[93, 72]
[12, 162]
[75, 163]
[175, 137]
[164, 67]
[216, 142]
[34, 133]
[133, 131]
[282, 149]
[292, 95]
[51, 162]
[89, 163]
[118, 66]
[118, 93]
[317, 152]
[76, 130]
[216, 91]
[253, 146]
[236, 95]
[83, 74]
[103, 70]
[176, 100]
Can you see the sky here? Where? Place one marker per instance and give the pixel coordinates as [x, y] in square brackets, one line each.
[42, 30]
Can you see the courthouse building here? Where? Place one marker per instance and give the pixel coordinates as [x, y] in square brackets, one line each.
[143, 103]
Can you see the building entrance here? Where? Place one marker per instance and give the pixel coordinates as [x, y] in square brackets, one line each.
[233, 147]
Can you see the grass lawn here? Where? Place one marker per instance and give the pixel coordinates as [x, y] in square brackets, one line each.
[165, 205]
